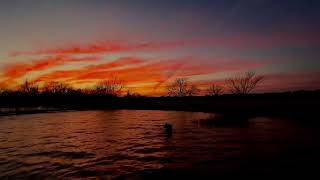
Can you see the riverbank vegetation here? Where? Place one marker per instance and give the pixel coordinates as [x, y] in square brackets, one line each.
[234, 97]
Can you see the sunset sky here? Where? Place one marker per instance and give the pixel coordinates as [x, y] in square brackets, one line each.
[148, 43]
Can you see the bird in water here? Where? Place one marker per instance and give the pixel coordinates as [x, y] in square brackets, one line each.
[168, 129]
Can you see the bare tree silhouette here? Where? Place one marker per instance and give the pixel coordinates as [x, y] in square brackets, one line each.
[193, 90]
[29, 87]
[180, 87]
[132, 94]
[57, 88]
[215, 90]
[2, 90]
[112, 86]
[244, 84]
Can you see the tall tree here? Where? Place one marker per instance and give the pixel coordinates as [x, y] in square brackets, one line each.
[214, 90]
[57, 88]
[29, 87]
[112, 86]
[181, 87]
[244, 84]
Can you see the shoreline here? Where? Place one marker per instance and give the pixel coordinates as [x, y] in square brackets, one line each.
[250, 114]
[296, 104]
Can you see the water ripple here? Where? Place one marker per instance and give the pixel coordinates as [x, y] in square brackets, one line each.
[62, 154]
[132, 144]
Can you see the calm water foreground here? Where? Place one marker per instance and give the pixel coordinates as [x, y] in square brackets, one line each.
[132, 144]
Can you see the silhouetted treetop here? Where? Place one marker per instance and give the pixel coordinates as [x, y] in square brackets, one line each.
[181, 87]
[245, 83]
[112, 86]
[214, 90]
[57, 88]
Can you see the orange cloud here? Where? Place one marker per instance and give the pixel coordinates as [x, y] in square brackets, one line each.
[13, 71]
[72, 75]
[121, 62]
[57, 75]
[147, 77]
[128, 69]
[7, 82]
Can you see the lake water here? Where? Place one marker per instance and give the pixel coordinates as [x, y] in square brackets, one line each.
[132, 144]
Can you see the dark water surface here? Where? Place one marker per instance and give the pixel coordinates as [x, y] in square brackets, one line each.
[132, 144]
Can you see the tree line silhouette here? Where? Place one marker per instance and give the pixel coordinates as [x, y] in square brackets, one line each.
[114, 87]
[239, 84]
[234, 96]
[59, 94]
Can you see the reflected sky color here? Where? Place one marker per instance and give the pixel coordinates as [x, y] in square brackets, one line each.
[126, 144]
[150, 43]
